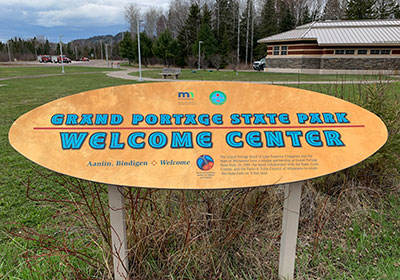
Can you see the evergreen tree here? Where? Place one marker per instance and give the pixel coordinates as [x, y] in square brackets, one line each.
[268, 25]
[224, 21]
[360, 9]
[46, 47]
[206, 16]
[209, 45]
[165, 47]
[286, 19]
[187, 35]
[126, 49]
[146, 45]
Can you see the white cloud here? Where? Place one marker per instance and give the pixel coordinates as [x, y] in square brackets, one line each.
[52, 13]
[86, 14]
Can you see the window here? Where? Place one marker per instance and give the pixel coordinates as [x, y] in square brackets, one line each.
[276, 50]
[349, 52]
[385, 51]
[339, 51]
[284, 50]
[374, 52]
[362, 52]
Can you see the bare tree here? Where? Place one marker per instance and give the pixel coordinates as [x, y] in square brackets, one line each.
[151, 17]
[238, 35]
[161, 24]
[177, 13]
[132, 13]
[333, 10]
[247, 29]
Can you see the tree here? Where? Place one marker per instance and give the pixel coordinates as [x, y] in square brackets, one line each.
[161, 24]
[132, 14]
[385, 9]
[177, 14]
[286, 18]
[165, 47]
[360, 9]
[151, 17]
[126, 49]
[305, 16]
[188, 34]
[333, 10]
[209, 45]
[268, 25]
[146, 45]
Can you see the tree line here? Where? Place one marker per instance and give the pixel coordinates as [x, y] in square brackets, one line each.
[226, 31]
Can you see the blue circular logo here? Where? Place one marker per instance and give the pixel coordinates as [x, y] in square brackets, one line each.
[218, 97]
[205, 162]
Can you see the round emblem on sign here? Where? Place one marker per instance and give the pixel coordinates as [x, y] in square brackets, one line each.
[205, 162]
[218, 97]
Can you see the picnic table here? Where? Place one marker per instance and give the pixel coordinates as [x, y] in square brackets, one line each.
[173, 72]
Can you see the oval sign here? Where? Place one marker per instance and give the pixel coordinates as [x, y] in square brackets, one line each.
[197, 135]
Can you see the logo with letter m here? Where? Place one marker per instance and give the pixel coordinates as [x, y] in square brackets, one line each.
[185, 94]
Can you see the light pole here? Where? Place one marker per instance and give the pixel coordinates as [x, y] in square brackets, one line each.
[9, 54]
[108, 63]
[62, 58]
[200, 42]
[140, 59]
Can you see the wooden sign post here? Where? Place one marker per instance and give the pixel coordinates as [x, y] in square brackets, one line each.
[204, 135]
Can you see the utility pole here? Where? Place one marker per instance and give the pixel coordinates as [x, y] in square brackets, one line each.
[200, 42]
[101, 49]
[140, 59]
[108, 64]
[62, 58]
[76, 53]
[9, 54]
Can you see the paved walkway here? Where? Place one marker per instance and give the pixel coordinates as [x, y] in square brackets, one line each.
[47, 75]
[125, 75]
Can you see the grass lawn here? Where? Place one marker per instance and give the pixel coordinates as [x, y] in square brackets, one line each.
[6, 72]
[18, 97]
[370, 249]
[254, 76]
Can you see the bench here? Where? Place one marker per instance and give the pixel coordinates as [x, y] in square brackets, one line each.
[173, 72]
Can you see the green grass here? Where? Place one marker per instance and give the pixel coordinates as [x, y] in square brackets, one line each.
[6, 72]
[230, 75]
[18, 97]
[371, 247]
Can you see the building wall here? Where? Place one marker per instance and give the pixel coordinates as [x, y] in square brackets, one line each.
[309, 56]
[389, 63]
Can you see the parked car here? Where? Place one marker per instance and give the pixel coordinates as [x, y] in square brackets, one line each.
[54, 59]
[44, 58]
[259, 65]
[65, 59]
[84, 59]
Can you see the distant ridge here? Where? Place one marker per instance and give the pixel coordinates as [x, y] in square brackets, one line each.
[107, 39]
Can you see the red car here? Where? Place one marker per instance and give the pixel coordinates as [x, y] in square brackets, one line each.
[65, 59]
[84, 59]
[44, 58]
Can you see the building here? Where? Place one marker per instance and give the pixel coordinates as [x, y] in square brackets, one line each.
[343, 46]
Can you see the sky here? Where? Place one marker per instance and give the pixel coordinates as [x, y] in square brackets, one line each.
[74, 19]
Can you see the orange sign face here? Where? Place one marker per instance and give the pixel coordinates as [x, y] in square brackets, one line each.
[197, 135]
